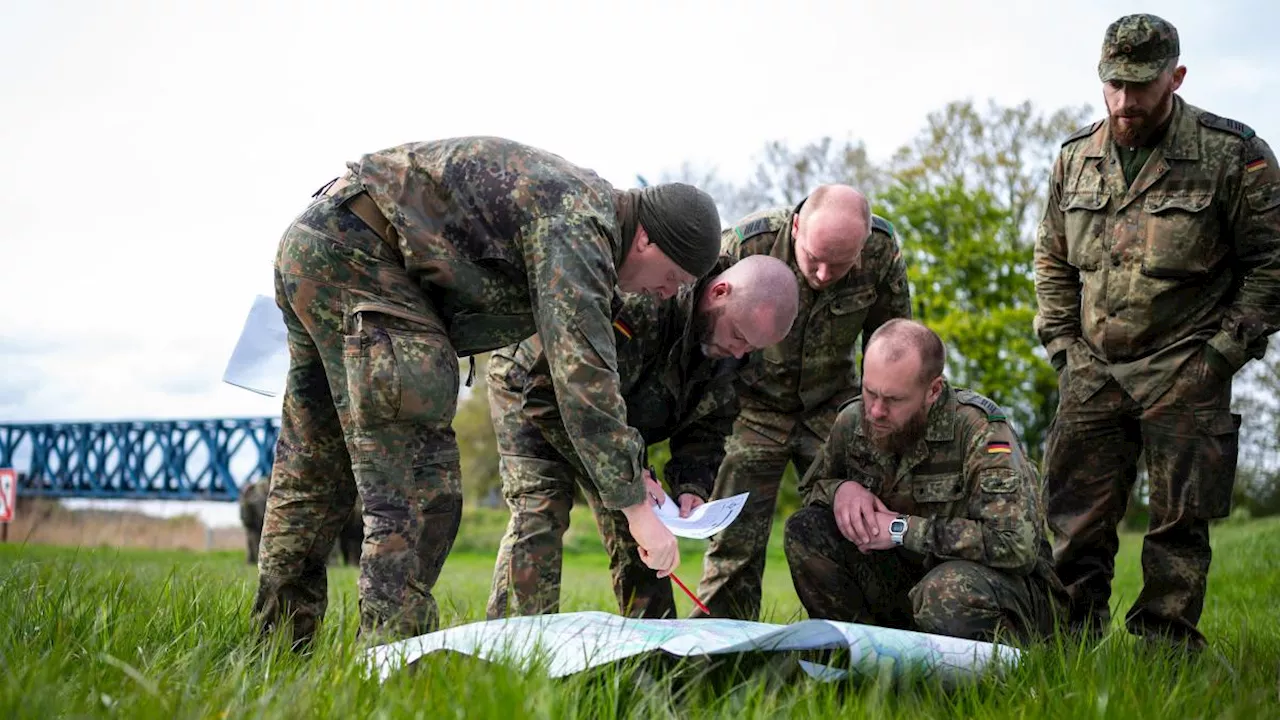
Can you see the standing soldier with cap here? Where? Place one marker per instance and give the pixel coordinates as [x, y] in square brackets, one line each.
[1157, 279]
[852, 279]
[422, 253]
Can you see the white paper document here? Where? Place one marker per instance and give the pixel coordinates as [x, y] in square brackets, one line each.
[705, 520]
[260, 360]
[567, 643]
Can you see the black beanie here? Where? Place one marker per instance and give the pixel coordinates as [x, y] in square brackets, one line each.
[683, 222]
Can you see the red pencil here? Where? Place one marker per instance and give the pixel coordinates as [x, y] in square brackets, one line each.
[692, 597]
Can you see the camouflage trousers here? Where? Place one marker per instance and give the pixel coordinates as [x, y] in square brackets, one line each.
[890, 588]
[1188, 439]
[368, 405]
[538, 485]
[733, 565]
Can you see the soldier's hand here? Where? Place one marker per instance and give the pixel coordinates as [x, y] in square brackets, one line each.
[855, 509]
[653, 488]
[882, 541]
[688, 501]
[655, 542]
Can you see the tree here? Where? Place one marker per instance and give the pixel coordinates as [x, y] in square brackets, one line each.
[784, 176]
[968, 193]
[975, 289]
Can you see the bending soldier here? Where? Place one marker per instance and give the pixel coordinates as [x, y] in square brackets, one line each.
[852, 279]
[677, 363]
[420, 254]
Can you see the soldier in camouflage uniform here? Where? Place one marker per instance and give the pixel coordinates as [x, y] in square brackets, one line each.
[420, 254]
[852, 279]
[1157, 279]
[923, 512]
[677, 363]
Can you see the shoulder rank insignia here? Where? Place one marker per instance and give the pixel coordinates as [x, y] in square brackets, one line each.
[1227, 125]
[758, 226]
[884, 226]
[1083, 132]
[998, 446]
[623, 328]
[986, 405]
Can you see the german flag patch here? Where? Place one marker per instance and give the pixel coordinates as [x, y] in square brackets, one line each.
[998, 446]
[623, 328]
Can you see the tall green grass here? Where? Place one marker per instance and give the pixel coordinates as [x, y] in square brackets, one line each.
[107, 633]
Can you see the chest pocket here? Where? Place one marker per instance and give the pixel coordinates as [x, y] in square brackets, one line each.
[1180, 234]
[844, 318]
[938, 489]
[1085, 220]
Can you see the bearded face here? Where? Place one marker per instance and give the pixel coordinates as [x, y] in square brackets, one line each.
[897, 439]
[1137, 110]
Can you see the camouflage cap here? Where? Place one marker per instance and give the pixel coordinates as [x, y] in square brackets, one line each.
[1137, 48]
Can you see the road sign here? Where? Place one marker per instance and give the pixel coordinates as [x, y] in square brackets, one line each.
[8, 494]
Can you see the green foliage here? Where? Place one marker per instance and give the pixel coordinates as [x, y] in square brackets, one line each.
[110, 633]
[975, 288]
[477, 446]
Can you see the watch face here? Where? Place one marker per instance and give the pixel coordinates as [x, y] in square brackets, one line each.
[898, 526]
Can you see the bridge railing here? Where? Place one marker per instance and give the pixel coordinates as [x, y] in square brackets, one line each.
[207, 459]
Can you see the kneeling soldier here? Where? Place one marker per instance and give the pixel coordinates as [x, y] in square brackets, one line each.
[923, 511]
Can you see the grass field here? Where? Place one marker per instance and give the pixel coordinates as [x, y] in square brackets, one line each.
[151, 634]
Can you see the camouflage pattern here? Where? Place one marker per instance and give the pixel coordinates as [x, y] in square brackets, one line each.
[1136, 48]
[487, 241]
[975, 559]
[253, 509]
[789, 406]
[673, 392]
[1151, 296]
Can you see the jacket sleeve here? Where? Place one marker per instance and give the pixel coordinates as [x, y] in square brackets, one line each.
[1255, 312]
[1000, 530]
[1057, 320]
[697, 451]
[571, 275]
[831, 468]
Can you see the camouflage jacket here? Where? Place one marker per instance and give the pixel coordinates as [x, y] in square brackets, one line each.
[813, 370]
[672, 391]
[968, 484]
[1145, 275]
[508, 240]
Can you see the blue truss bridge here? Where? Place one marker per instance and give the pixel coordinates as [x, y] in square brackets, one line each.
[200, 459]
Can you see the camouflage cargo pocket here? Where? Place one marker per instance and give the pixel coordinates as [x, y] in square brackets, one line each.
[1219, 432]
[400, 374]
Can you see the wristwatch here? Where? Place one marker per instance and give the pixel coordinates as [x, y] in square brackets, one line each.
[898, 529]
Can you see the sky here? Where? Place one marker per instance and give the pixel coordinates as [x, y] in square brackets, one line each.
[156, 151]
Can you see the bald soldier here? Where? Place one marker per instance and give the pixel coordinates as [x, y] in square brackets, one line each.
[852, 280]
[1157, 279]
[923, 512]
[420, 254]
[677, 362]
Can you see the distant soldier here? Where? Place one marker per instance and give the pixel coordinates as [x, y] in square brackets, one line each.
[677, 363]
[923, 512]
[420, 254]
[852, 279]
[1158, 278]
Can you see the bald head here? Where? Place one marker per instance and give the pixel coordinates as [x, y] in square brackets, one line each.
[907, 341]
[829, 234]
[749, 306]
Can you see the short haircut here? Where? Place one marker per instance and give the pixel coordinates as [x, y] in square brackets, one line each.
[825, 195]
[900, 335]
[764, 281]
